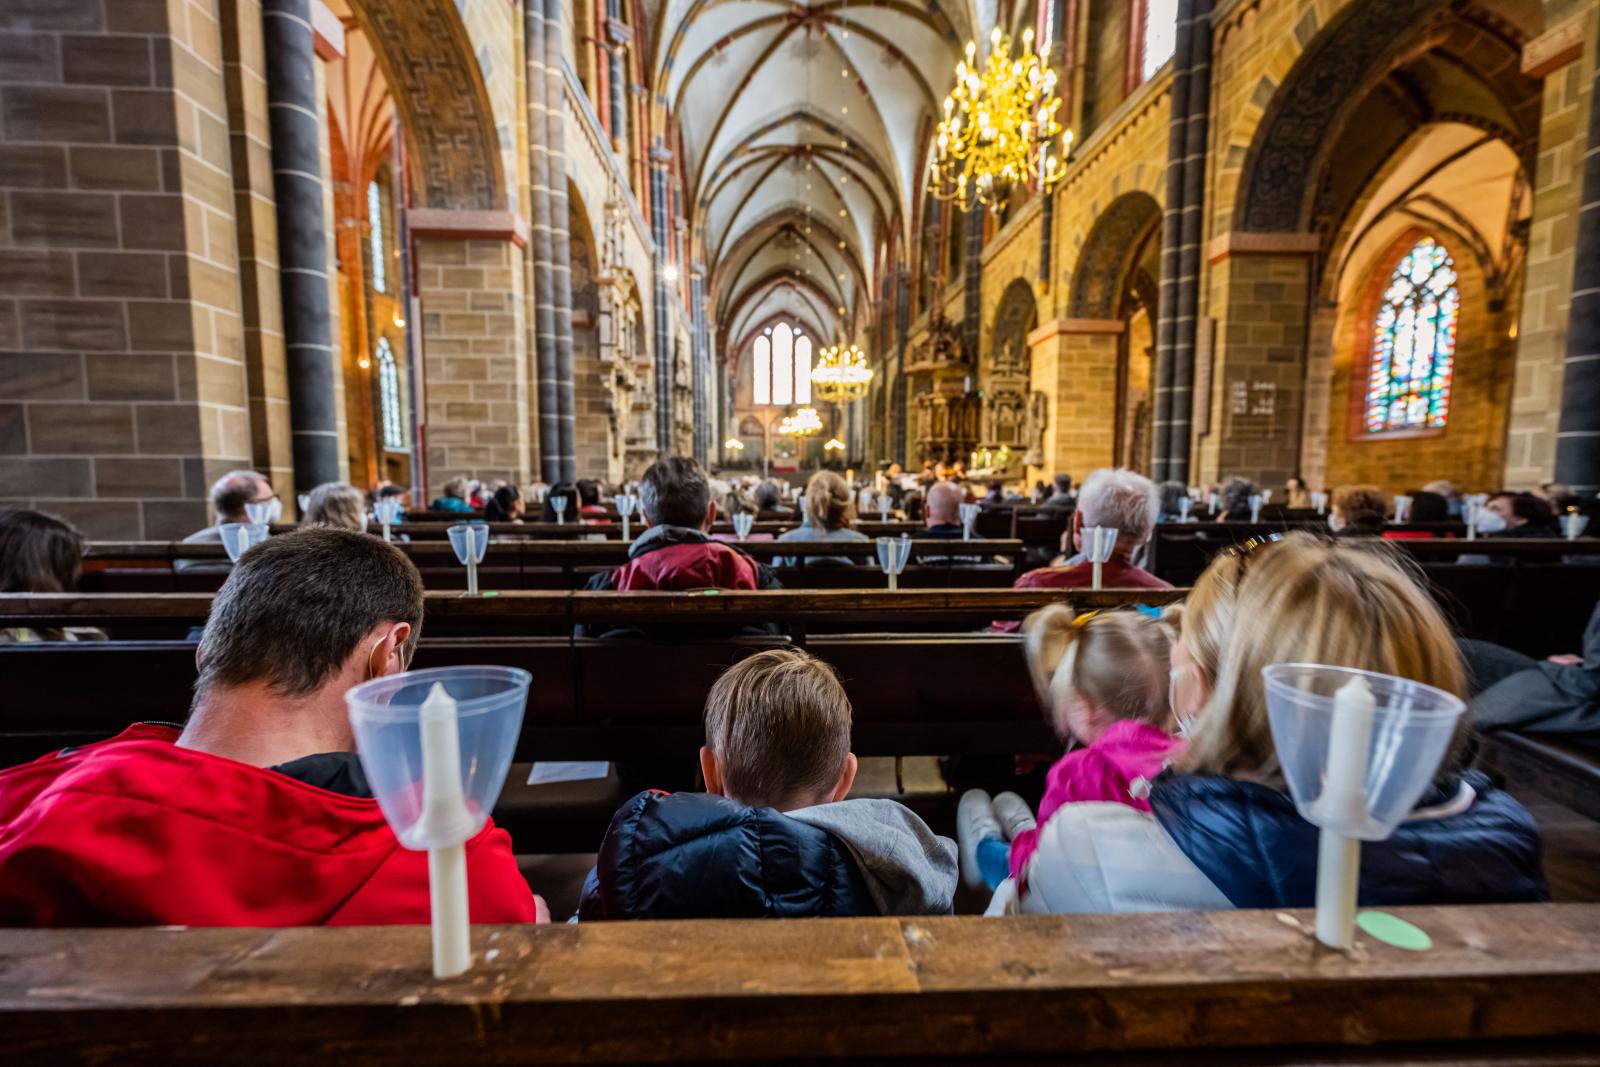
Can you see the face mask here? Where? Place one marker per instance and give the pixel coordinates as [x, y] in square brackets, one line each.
[1490, 522]
[275, 510]
[1334, 523]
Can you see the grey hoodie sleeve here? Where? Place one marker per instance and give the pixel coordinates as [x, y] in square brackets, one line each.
[909, 869]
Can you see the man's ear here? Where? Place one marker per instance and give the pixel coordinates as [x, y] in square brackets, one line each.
[710, 771]
[1076, 530]
[711, 517]
[847, 778]
[387, 655]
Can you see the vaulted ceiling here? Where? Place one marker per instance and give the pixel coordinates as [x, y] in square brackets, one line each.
[804, 128]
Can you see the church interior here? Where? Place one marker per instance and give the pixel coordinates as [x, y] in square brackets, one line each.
[508, 281]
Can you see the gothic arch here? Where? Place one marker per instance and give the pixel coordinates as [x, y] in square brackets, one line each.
[427, 59]
[1107, 256]
[1014, 318]
[1363, 50]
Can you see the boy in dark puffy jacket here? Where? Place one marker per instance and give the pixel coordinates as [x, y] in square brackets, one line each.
[773, 835]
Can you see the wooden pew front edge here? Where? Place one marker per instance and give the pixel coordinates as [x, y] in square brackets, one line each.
[1501, 984]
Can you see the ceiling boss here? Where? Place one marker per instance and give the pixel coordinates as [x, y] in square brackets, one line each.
[999, 128]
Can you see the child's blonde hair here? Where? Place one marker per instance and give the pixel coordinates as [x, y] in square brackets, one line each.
[1117, 660]
[779, 724]
[1308, 600]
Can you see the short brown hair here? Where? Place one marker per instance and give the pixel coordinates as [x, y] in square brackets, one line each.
[39, 553]
[779, 725]
[297, 605]
[674, 492]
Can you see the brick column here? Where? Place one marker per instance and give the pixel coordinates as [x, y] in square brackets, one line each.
[1578, 434]
[661, 299]
[560, 242]
[535, 31]
[293, 107]
[1074, 362]
[700, 361]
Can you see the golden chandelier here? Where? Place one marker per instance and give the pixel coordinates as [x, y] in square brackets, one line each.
[803, 423]
[842, 373]
[999, 127]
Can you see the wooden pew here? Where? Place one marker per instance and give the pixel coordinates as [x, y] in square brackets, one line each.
[1501, 985]
[514, 612]
[148, 566]
[591, 699]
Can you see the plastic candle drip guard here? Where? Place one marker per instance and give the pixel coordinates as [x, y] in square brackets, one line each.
[743, 523]
[239, 537]
[1356, 772]
[969, 518]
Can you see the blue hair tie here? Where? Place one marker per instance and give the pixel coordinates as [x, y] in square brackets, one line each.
[1146, 609]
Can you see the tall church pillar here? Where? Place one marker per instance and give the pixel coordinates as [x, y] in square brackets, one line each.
[700, 361]
[1074, 362]
[302, 240]
[537, 31]
[661, 298]
[1578, 434]
[560, 244]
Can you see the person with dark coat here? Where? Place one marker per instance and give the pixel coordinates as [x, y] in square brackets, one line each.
[1557, 695]
[774, 835]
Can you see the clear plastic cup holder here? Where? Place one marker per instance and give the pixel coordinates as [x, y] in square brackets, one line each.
[1185, 506]
[893, 554]
[387, 715]
[558, 504]
[1573, 524]
[1099, 542]
[387, 510]
[240, 537]
[743, 523]
[469, 536]
[1402, 508]
[1406, 738]
[969, 514]
[627, 504]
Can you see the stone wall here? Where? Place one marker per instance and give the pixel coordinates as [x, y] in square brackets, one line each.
[122, 386]
[474, 359]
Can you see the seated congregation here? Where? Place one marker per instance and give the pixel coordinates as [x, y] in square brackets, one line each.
[256, 811]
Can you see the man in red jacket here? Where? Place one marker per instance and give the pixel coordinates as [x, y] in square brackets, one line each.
[1118, 498]
[257, 813]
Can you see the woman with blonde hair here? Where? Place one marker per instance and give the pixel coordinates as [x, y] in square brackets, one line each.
[1222, 830]
[338, 505]
[830, 515]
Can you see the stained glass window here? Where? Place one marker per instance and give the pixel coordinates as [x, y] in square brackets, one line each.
[763, 371]
[375, 221]
[782, 365]
[389, 397]
[782, 371]
[1414, 343]
[1160, 34]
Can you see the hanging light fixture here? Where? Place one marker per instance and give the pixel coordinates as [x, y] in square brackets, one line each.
[842, 373]
[999, 128]
[835, 445]
[733, 444]
[803, 423]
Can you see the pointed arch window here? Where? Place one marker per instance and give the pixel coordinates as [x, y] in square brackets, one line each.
[1158, 35]
[782, 371]
[394, 437]
[380, 282]
[1414, 343]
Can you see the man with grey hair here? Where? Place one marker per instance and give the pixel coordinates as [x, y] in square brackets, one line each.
[1123, 501]
[229, 495]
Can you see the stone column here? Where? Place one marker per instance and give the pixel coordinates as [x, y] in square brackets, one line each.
[302, 243]
[897, 394]
[1191, 235]
[566, 404]
[701, 363]
[1074, 362]
[1578, 434]
[535, 31]
[661, 297]
[617, 34]
[972, 270]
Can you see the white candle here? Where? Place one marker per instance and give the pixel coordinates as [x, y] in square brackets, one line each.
[443, 808]
[1343, 801]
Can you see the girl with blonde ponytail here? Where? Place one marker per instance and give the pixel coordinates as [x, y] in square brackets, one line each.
[1103, 681]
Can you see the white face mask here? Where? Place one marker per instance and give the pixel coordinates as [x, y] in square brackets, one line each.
[1490, 521]
[275, 511]
[1335, 523]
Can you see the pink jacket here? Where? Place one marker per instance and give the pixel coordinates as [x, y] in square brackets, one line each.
[1103, 771]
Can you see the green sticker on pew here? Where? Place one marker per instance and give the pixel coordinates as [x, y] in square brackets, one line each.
[1393, 930]
[710, 592]
[490, 592]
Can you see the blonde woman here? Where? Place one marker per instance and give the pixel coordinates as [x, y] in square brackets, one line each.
[1223, 832]
[336, 504]
[829, 515]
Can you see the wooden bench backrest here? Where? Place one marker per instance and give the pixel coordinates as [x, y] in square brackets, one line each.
[1500, 985]
[590, 698]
